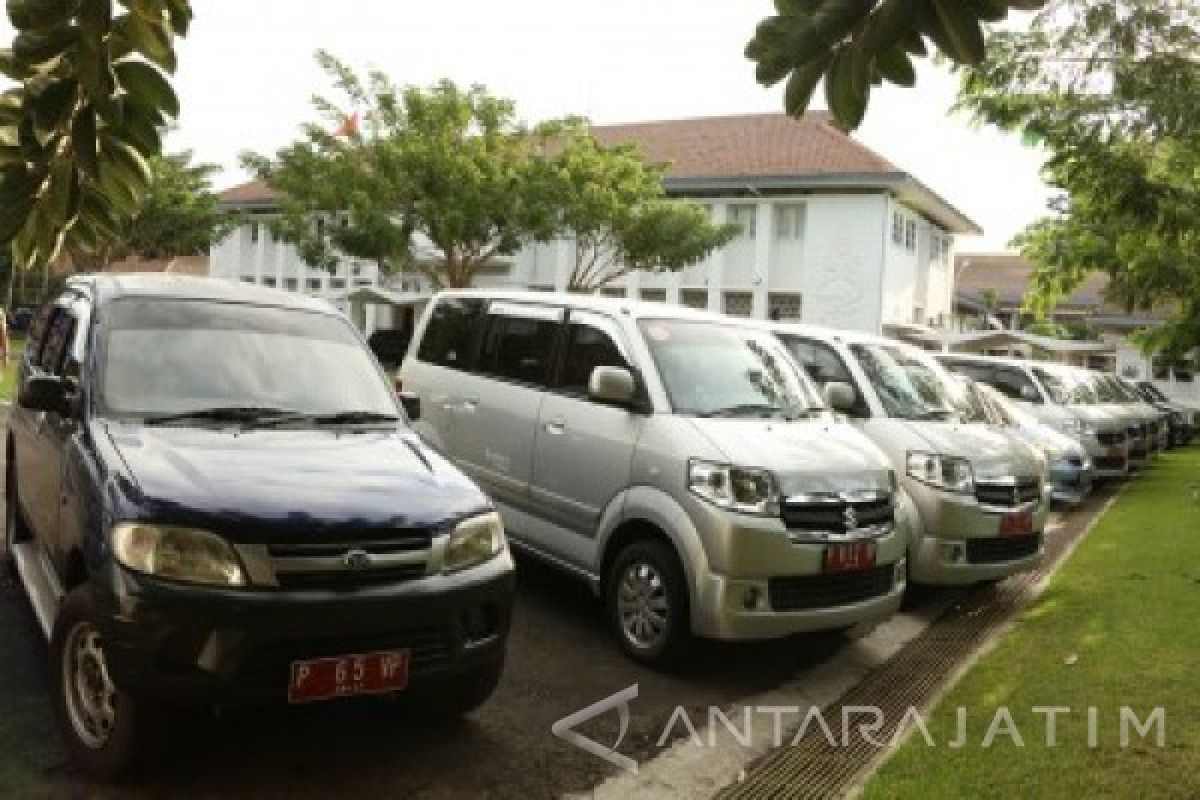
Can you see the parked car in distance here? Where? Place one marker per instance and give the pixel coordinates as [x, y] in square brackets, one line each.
[677, 461]
[980, 494]
[1056, 396]
[1181, 418]
[213, 497]
[1068, 468]
[1143, 421]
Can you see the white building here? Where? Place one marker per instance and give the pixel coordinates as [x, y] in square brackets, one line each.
[832, 233]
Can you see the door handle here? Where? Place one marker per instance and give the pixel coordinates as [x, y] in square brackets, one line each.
[557, 425]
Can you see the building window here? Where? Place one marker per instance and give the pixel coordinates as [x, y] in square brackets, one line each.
[918, 316]
[745, 215]
[290, 284]
[314, 284]
[935, 246]
[337, 283]
[910, 235]
[654, 295]
[363, 282]
[784, 305]
[268, 280]
[897, 227]
[247, 279]
[789, 221]
[694, 298]
[253, 233]
[612, 291]
[738, 304]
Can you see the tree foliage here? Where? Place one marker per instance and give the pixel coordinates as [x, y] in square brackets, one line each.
[76, 133]
[456, 168]
[1109, 88]
[614, 206]
[857, 44]
[451, 164]
[178, 215]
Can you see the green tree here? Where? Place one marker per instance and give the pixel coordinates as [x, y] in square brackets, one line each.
[1109, 88]
[91, 101]
[614, 206]
[179, 215]
[451, 164]
[857, 44]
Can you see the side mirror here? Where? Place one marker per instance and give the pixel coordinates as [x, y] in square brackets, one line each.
[840, 396]
[1029, 394]
[612, 385]
[411, 404]
[43, 392]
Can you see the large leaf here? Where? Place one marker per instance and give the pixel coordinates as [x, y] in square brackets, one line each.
[845, 90]
[963, 34]
[148, 85]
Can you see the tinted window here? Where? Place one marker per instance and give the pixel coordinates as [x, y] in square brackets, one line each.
[976, 372]
[448, 337]
[824, 366]
[518, 349]
[588, 347]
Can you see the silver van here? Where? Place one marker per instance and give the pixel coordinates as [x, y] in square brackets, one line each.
[980, 494]
[1103, 390]
[1053, 395]
[678, 461]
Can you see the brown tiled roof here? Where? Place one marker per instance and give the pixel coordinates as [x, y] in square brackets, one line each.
[749, 145]
[249, 193]
[1008, 274]
[742, 146]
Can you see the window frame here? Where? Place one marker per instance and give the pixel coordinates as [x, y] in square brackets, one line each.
[501, 309]
[608, 326]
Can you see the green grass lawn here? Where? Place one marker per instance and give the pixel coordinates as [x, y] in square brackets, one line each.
[1119, 625]
[8, 378]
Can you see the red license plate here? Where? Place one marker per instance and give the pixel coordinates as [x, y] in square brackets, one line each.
[1018, 524]
[849, 556]
[346, 676]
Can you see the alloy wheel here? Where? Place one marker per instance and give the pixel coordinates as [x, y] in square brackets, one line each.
[91, 696]
[643, 607]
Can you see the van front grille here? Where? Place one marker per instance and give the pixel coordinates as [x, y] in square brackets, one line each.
[806, 592]
[836, 513]
[1009, 495]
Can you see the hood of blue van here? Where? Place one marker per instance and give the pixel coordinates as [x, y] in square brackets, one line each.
[258, 486]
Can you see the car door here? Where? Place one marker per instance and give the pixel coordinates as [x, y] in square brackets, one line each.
[40, 471]
[583, 449]
[440, 367]
[496, 405]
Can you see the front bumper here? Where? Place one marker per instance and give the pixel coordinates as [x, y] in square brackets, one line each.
[959, 541]
[190, 644]
[1070, 484]
[760, 584]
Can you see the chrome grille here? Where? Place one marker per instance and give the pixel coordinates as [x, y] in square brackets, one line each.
[340, 564]
[838, 514]
[1010, 493]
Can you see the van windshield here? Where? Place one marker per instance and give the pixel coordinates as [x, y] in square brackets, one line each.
[710, 369]
[177, 357]
[910, 385]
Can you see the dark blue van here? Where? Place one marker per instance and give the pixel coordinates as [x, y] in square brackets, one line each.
[214, 496]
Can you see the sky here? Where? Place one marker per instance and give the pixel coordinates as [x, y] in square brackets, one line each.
[247, 74]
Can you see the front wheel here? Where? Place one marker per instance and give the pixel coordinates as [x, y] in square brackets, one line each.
[105, 728]
[646, 600]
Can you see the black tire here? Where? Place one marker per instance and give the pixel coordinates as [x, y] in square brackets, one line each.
[105, 751]
[464, 693]
[646, 584]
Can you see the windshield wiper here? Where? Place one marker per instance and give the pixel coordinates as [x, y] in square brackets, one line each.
[759, 409]
[221, 414]
[338, 418]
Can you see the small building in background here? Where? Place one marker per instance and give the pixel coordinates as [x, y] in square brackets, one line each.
[832, 234]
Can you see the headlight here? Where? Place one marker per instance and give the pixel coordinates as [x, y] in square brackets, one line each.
[945, 472]
[473, 541]
[178, 554]
[747, 491]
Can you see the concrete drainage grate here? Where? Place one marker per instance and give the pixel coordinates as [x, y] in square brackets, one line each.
[912, 678]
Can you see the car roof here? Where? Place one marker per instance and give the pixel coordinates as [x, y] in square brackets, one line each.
[108, 286]
[848, 337]
[1004, 361]
[637, 309]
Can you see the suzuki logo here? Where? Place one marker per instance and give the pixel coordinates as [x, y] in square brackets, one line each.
[356, 560]
[565, 728]
[850, 518]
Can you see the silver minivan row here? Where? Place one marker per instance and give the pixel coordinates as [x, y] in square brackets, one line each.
[679, 461]
[979, 493]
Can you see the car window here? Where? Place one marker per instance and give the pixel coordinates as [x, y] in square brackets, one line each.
[1011, 383]
[587, 347]
[37, 329]
[518, 348]
[976, 372]
[450, 332]
[59, 334]
[823, 365]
